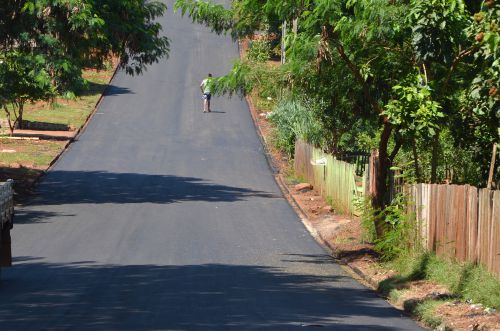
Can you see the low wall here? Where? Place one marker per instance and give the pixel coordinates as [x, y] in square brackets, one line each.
[6, 222]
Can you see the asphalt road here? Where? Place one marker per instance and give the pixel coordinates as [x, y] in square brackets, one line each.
[162, 217]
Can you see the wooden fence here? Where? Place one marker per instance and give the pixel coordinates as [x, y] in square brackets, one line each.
[459, 222]
[336, 180]
[455, 221]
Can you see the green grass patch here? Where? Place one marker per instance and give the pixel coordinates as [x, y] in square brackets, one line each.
[70, 112]
[425, 311]
[292, 179]
[464, 280]
[33, 154]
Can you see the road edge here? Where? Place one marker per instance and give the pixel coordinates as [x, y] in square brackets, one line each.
[79, 131]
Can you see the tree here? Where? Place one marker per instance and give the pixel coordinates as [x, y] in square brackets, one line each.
[23, 79]
[397, 70]
[61, 37]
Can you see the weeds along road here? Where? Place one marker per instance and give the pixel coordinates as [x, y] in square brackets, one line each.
[162, 217]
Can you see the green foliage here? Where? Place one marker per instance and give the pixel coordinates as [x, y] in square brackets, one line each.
[465, 281]
[23, 78]
[248, 76]
[260, 50]
[400, 235]
[437, 26]
[367, 220]
[61, 37]
[294, 119]
[457, 164]
[482, 98]
[426, 312]
[213, 15]
[417, 79]
[413, 110]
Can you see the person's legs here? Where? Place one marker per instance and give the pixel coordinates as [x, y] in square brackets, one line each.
[209, 97]
[205, 103]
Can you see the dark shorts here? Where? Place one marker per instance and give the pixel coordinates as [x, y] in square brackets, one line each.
[207, 96]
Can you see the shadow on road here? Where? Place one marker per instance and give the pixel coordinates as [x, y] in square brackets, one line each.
[191, 297]
[73, 187]
[94, 88]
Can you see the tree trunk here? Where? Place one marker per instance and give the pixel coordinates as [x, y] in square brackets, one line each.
[379, 197]
[20, 116]
[9, 121]
[435, 156]
[415, 160]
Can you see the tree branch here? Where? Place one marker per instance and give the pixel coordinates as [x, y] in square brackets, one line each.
[355, 71]
[457, 60]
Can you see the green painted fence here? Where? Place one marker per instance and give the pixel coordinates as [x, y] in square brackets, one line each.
[336, 180]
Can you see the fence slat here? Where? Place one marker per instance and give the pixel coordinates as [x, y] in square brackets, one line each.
[335, 180]
[460, 222]
[495, 234]
[455, 221]
[472, 224]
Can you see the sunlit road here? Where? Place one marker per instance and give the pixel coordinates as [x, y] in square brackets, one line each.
[162, 217]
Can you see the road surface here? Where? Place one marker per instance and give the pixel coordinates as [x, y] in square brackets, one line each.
[162, 217]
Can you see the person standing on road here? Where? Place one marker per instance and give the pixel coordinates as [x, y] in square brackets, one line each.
[206, 89]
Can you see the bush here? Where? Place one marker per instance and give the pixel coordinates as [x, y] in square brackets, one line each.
[400, 236]
[295, 119]
[465, 280]
[260, 51]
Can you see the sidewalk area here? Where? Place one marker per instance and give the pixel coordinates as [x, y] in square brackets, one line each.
[49, 135]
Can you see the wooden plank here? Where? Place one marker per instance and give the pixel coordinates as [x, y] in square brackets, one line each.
[495, 234]
[484, 227]
[461, 222]
[450, 223]
[472, 224]
[433, 216]
[441, 214]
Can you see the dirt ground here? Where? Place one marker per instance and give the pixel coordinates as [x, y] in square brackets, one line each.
[343, 236]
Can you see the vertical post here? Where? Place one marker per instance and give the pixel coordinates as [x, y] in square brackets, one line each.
[283, 36]
[295, 25]
[492, 167]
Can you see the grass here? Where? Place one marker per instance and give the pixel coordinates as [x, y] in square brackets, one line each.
[32, 154]
[25, 160]
[292, 179]
[71, 113]
[426, 312]
[465, 281]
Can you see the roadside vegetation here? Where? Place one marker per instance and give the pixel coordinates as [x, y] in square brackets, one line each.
[45, 46]
[56, 59]
[24, 160]
[416, 80]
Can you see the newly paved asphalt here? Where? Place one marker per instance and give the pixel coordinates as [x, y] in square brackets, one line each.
[162, 217]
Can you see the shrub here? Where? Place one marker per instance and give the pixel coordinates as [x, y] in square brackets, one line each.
[260, 51]
[295, 119]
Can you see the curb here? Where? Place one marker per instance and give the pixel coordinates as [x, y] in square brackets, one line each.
[292, 201]
[78, 132]
[349, 268]
[85, 124]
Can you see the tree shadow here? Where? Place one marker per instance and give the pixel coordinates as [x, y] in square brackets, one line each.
[83, 295]
[99, 187]
[309, 258]
[24, 216]
[45, 126]
[94, 88]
